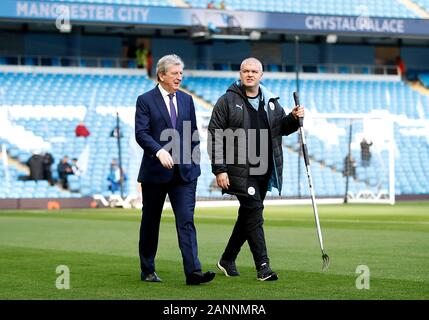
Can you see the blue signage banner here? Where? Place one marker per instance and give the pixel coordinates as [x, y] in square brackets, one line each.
[81, 12]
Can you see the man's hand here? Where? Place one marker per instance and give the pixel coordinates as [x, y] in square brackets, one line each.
[222, 180]
[298, 112]
[165, 159]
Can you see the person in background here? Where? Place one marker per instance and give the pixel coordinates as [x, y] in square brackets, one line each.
[48, 160]
[349, 167]
[141, 56]
[64, 169]
[365, 152]
[149, 64]
[81, 130]
[114, 177]
[35, 163]
[400, 65]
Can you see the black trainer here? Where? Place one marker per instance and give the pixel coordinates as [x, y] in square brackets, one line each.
[266, 274]
[228, 268]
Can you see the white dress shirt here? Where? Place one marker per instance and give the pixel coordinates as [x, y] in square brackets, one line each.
[166, 98]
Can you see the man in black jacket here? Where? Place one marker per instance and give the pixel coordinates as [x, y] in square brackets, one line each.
[64, 169]
[48, 160]
[245, 147]
[35, 163]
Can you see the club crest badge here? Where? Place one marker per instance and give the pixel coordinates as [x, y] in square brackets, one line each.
[251, 191]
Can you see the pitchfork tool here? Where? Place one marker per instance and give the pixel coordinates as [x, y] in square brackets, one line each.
[325, 257]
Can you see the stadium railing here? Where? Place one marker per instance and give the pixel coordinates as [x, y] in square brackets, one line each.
[305, 68]
[68, 61]
[112, 62]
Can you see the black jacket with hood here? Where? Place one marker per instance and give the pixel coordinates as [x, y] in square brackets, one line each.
[230, 112]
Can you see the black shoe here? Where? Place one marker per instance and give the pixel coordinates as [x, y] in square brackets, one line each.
[266, 274]
[150, 277]
[228, 268]
[198, 277]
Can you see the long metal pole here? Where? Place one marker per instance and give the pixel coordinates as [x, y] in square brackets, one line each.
[325, 257]
[297, 90]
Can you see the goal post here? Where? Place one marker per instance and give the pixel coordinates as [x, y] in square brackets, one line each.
[354, 153]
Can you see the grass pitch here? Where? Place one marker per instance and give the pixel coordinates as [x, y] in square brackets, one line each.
[100, 247]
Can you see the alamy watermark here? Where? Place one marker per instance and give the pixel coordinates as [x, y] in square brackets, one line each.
[238, 146]
[362, 281]
[62, 22]
[63, 280]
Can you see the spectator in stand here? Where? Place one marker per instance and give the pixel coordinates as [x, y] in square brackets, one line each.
[141, 56]
[400, 65]
[365, 152]
[115, 177]
[149, 64]
[81, 130]
[222, 5]
[48, 160]
[64, 169]
[211, 5]
[35, 163]
[349, 167]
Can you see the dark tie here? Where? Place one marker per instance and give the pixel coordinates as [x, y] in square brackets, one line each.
[173, 115]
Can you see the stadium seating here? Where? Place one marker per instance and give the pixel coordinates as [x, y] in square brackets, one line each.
[49, 106]
[382, 8]
[337, 96]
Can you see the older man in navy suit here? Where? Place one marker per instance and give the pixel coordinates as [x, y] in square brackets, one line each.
[166, 129]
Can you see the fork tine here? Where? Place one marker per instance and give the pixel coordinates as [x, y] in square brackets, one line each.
[325, 259]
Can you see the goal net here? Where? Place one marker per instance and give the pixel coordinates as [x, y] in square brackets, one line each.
[352, 156]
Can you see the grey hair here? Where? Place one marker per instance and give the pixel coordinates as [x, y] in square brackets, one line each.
[167, 61]
[252, 60]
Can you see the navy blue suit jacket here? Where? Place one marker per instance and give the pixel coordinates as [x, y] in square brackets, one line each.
[151, 119]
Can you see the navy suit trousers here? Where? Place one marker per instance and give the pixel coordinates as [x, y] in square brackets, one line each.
[182, 199]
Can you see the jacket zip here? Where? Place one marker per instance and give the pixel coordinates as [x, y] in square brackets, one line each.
[279, 187]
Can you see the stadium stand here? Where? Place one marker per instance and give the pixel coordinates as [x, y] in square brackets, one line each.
[337, 96]
[40, 108]
[382, 8]
[50, 105]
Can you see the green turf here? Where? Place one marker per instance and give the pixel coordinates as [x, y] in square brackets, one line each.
[100, 248]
